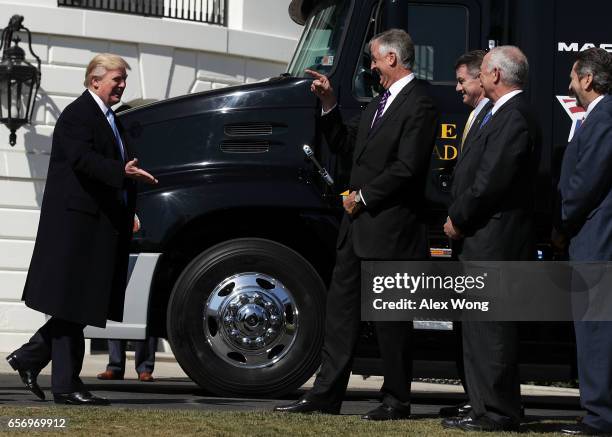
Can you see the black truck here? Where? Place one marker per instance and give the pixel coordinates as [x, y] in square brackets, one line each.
[238, 239]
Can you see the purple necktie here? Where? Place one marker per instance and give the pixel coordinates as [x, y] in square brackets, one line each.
[381, 108]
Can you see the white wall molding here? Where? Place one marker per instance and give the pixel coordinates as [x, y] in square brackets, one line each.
[168, 32]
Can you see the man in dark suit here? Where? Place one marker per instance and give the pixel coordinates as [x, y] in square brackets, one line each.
[467, 72]
[585, 188]
[391, 147]
[78, 270]
[491, 217]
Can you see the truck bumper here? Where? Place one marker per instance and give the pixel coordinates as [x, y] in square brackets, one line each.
[137, 295]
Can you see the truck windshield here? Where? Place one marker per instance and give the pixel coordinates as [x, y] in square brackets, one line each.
[320, 42]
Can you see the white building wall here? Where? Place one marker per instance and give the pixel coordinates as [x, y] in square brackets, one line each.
[168, 58]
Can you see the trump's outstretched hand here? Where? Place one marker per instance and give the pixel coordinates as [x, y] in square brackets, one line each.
[132, 171]
[322, 88]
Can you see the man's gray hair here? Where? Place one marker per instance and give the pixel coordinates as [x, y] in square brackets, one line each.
[512, 64]
[397, 41]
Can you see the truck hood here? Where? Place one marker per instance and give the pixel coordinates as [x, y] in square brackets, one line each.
[284, 92]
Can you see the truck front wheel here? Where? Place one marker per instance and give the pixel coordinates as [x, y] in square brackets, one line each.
[246, 318]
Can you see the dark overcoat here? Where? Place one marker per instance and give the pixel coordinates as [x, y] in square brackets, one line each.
[78, 270]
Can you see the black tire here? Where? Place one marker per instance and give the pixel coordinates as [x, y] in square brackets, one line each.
[202, 359]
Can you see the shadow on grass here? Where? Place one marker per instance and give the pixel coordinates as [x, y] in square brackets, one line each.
[545, 427]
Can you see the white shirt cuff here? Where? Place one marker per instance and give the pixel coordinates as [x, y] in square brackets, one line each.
[362, 198]
[323, 112]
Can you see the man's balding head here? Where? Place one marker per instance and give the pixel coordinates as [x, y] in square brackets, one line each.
[504, 69]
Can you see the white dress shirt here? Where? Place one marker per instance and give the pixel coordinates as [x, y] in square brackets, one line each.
[479, 107]
[394, 90]
[592, 106]
[503, 99]
[99, 101]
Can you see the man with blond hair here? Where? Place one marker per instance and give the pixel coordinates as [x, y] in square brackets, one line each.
[78, 271]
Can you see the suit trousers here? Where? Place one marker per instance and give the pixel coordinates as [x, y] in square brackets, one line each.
[144, 356]
[342, 327]
[458, 334]
[61, 342]
[594, 347]
[490, 352]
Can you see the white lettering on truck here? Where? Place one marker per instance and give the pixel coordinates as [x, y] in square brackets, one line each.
[575, 47]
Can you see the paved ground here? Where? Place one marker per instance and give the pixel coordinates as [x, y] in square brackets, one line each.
[173, 389]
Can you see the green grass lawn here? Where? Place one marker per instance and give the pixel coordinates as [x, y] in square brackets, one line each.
[110, 421]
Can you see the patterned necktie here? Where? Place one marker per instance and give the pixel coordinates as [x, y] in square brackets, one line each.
[486, 118]
[380, 110]
[111, 120]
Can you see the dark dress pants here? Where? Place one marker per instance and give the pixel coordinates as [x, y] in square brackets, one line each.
[61, 342]
[458, 334]
[594, 350]
[490, 351]
[144, 356]
[342, 326]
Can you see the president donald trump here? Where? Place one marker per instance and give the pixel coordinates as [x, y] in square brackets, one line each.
[78, 271]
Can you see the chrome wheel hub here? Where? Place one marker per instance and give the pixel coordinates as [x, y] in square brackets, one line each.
[250, 320]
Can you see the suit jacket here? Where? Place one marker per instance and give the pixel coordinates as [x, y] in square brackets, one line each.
[493, 186]
[389, 166]
[78, 270]
[585, 187]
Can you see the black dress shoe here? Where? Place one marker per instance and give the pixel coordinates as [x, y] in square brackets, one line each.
[79, 398]
[456, 411]
[484, 423]
[463, 410]
[583, 429]
[386, 412]
[306, 406]
[28, 376]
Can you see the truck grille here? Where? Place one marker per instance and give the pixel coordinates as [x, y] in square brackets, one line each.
[247, 129]
[245, 146]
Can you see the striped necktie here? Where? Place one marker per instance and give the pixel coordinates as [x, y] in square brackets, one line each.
[381, 109]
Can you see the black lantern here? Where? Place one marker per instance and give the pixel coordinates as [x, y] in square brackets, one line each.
[19, 80]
